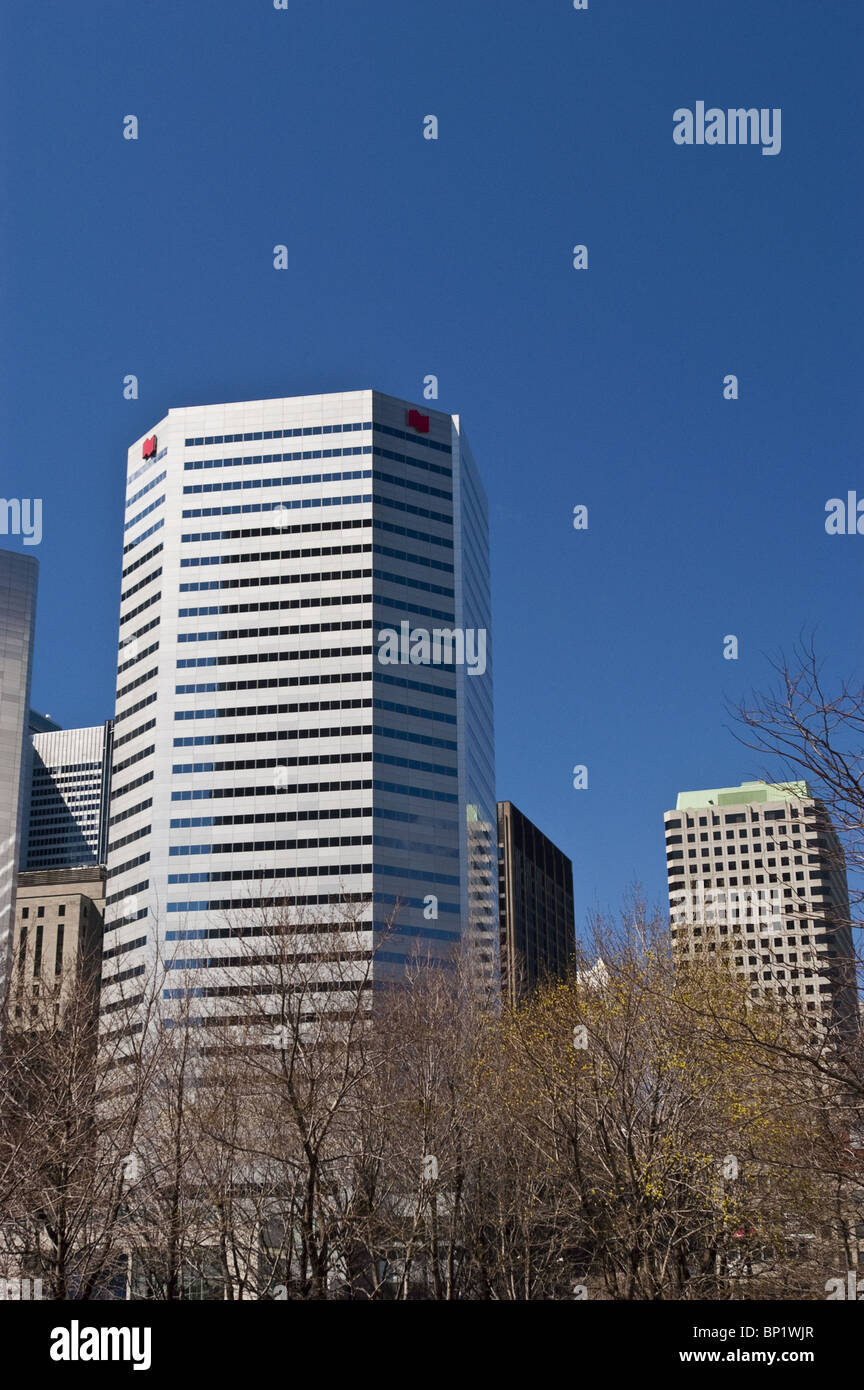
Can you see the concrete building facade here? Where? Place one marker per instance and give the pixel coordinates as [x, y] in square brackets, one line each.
[58, 942]
[757, 875]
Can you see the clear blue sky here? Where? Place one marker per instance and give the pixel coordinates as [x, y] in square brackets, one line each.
[603, 387]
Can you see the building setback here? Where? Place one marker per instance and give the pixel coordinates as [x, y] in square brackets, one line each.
[757, 874]
[18, 583]
[265, 757]
[69, 797]
[535, 903]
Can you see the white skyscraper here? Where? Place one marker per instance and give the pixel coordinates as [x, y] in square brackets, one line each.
[304, 689]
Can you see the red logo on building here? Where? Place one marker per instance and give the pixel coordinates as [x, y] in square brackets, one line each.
[148, 448]
[418, 422]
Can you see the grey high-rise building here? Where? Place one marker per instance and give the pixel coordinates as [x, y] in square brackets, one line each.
[538, 928]
[67, 825]
[304, 690]
[18, 583]
[757, 878]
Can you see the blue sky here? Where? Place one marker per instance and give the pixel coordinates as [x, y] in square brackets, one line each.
[409, 257]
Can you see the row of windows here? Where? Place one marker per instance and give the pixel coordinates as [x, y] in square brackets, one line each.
[739, 818]
[391, 502]
[245, 991]
[312, 760]
[291, 505]
[316, 814]
[133, 521]
[133, 685]
[721, 865]
[151, 530]
[262, 556]
[132, 811]
[123, 949]
[301, 788]
[285, 630]
[117, 792]
[746, 882]
[305, 957]
[133, 660]
[140, 584]
[37, 954]
[252, 846]
[80, 835]
[310, 707]
[117, 869]
[145, 466]
[321, 678]
[308, 871]
[361, 548]
[302, 553]
[246, 904]
[127, 892]
[328, 899]
[253, 658]
[148, 487]
[133, 758]
[130, 974]
[135, 733]
[253, 460]
[140, 632]
[323, 842]
[298, 433]
[282, 735]
[294, 480]
[402, 605]
[134, 709]
[343, 576]
[148, 603]
[142, 560]
[346, 524]
[85, 819]
[57, 800]
[752, 834]
[304, 431]
[130, 838]
[63, 772]
[305, 479]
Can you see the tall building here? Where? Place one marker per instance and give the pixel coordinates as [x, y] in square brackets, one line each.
[69, 798]
[58, 942]
[535, 903]
[757, 874]
[304, 690]
[18, 582]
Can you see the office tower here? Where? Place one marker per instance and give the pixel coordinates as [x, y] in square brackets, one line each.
[58, 943]
[304, 691]
[70, 786]
[757, 875]
[18, 581]
[535, 903]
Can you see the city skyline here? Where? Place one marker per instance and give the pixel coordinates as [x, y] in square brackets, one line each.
[406, 258]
